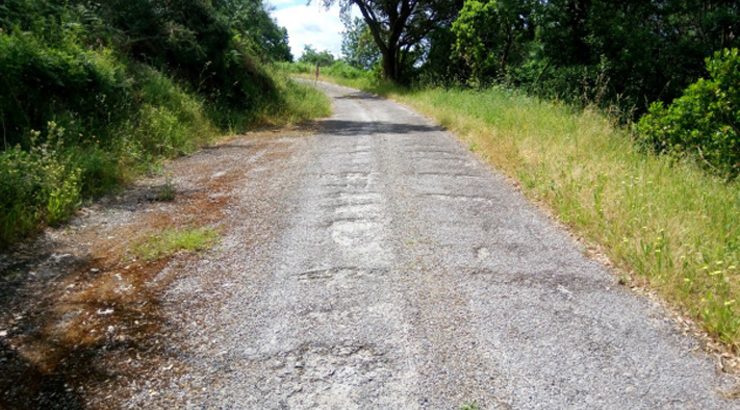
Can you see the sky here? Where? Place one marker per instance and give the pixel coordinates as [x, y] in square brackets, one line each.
[310, 24]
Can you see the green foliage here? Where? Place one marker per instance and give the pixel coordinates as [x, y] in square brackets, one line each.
[705, 121]
[473, 405]
[42, 81]
[358, 46]
[443, 67]
[492, 34]
[625, 57]
[298, 102]
[624, 54]
[339, 70]
[193, 41]
[400, 29]
[255, 29]
[41, 185]
[311, 56]
[101, 170]
[344, 70]
[611, 54]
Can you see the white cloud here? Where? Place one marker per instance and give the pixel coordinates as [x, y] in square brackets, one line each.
[309, 24]
[282, 3]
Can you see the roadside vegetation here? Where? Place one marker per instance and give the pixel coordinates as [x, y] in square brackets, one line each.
[94, 93]
[637, 153]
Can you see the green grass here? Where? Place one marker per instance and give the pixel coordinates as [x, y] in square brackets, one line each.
[342, 74]
[299, 102]
[667, 223]
[171, 241]
[470, 406]
[295, 103]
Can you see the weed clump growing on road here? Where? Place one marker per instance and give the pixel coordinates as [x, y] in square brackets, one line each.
[171, 241]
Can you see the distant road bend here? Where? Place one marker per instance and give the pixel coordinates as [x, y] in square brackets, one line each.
[379, 264]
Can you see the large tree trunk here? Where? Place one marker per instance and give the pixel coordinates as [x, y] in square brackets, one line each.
[507, 49]
[390, 64]
[398, 14]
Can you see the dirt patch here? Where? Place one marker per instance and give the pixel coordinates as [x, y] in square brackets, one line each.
[80, 313]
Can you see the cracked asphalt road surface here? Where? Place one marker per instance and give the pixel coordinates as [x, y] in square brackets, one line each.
[378, 264]
[401, 272]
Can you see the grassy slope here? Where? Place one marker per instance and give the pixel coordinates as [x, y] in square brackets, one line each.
[669, 224]
[47, 185]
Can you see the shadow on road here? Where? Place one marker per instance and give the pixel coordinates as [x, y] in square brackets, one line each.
[352, 128]
[359, 96]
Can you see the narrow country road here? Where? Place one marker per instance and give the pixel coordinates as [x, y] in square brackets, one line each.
[378, 264]
[405, 274]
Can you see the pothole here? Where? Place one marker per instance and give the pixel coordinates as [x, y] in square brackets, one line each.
[327, 376]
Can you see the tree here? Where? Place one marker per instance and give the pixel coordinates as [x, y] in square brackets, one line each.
[705, 121]
[398, 26]
[645, 50]
[311, 56]
[251, 21]
[358, 46]
[491, 34]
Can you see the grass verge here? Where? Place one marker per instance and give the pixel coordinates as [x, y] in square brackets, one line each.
[672, 226]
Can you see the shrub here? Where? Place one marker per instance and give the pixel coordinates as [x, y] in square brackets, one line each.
[704, 122]
[344, 70]
[42, 185]
[21, 185]
[100, 169]
[43, 81]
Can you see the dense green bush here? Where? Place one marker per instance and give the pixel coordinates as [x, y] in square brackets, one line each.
[71, 60]
[169, 121]
[490, 36]
[705, 121]
[42, 81]
[192, 41]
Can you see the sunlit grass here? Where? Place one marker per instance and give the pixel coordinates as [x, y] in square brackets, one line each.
[299, 102]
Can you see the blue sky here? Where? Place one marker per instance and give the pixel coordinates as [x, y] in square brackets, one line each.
[310, 24]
